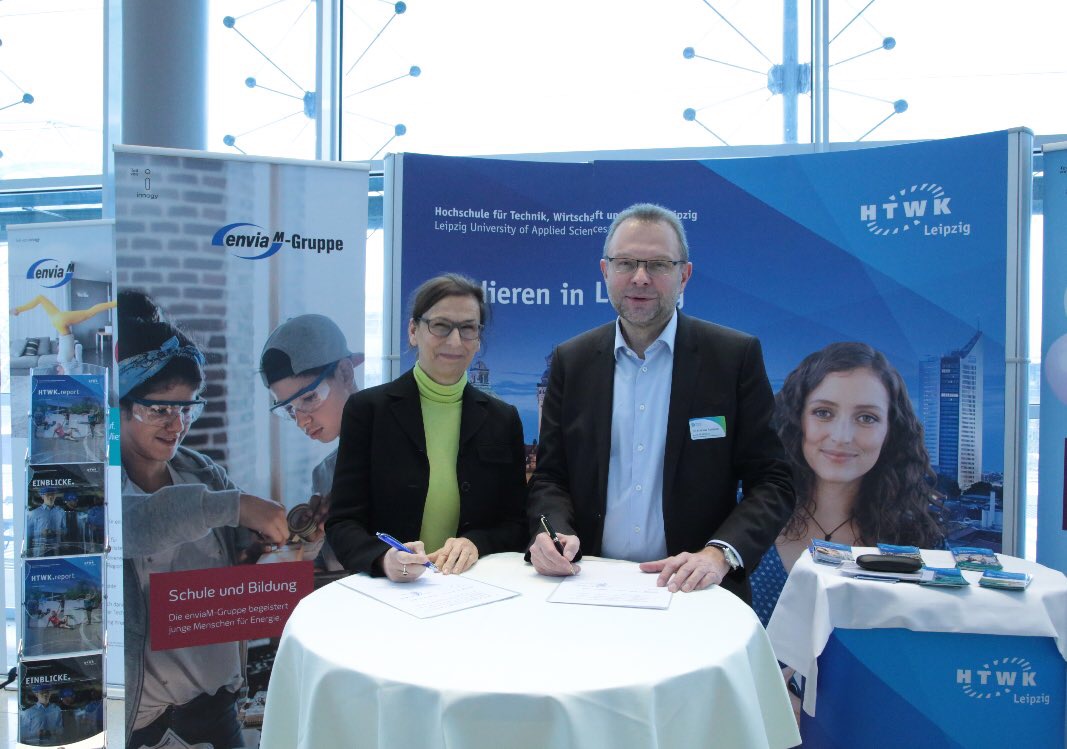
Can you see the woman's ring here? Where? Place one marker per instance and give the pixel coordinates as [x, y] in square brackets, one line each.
[404, 570]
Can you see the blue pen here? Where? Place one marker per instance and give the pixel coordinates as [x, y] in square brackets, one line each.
[400, 547]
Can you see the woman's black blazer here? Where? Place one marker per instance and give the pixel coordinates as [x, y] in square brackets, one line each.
[382, 473]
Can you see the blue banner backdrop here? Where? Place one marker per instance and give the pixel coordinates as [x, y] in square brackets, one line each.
[1052, 504]
[901, 247]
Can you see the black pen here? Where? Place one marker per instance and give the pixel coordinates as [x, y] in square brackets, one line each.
[551, 534]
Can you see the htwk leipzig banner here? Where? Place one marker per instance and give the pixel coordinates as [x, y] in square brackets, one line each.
[900, 247]
[1052, 479]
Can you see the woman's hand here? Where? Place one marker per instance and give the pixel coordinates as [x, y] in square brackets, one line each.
[456, 556]
[401, 567]
[264, 516]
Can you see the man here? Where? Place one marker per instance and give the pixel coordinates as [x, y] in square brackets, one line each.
[40, 724]
[649, 424]
[46, 524]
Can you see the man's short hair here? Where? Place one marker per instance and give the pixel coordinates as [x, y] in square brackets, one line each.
[651, 213]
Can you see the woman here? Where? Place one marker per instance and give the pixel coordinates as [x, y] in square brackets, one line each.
[311, 373]
[428, 458]
[180, 512]
[861, 471]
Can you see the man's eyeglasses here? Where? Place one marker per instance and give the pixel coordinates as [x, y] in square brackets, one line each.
[627, 266]
[308, 399]
[161, 413]
[442, 328]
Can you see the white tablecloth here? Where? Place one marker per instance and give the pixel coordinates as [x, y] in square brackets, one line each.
[352, 672]
[817, 598]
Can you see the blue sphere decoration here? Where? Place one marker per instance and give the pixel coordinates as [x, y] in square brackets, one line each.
[229, 22]
[689, 53]
[689, 115]
[889, 42]
[400, 129]
[27, 98]
[900, 106]
[415, 71]
[229, 140]
[1, 154]
[400, 8]
[250, 82]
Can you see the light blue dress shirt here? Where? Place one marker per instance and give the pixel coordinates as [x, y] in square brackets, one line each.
[633, 523]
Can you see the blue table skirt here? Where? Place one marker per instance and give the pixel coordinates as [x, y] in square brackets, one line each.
[896, 688]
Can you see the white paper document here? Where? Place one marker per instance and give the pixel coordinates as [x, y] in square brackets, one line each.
[431, 595]
[604, 583]
[851, 569]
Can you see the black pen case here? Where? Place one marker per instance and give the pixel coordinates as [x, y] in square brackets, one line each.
[888, 563]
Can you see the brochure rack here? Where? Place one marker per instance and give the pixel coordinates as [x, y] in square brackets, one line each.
[63, 612]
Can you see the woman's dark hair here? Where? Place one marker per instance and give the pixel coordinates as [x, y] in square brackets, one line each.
[445, 285]
[142, 328]
[893, 504]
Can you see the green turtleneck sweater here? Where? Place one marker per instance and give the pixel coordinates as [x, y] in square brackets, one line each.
[442, 408]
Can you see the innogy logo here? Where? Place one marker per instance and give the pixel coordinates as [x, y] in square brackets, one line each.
[228, 237]
[1000, 678]
[39, 271]
[924, 206]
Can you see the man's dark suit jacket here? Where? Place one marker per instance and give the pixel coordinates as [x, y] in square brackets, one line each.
[383, 472]
[717, 372]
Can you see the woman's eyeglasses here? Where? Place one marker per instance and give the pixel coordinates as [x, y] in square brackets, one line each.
[159, 413]
[308, 399]
[442, 328]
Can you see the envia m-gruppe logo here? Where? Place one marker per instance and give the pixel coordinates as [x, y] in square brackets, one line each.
[923, 208]
[253, 238]
[1008, 678]
[50, 272]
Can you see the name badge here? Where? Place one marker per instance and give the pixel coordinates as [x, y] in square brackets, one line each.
[707, 428]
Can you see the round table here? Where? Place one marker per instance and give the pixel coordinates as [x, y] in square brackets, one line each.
[353, 672]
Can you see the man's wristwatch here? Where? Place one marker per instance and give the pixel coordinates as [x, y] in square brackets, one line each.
[731, 556]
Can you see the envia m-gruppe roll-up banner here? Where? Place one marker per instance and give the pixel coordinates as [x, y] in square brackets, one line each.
[62, 300]
[901, 247]
[241, 295]
[1052, 477]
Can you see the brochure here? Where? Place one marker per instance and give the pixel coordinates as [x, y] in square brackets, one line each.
[901, 551]
[61, 611]
[65, 509]
[1005, 580]
[975, 558]
[68, 422]
[828, 552]
[61, 700]
[948, 577]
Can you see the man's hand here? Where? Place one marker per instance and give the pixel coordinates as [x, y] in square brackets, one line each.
[456, 556]
[687, 572]
[547, 561]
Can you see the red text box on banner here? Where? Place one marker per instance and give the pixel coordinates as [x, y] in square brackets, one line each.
[225, 604]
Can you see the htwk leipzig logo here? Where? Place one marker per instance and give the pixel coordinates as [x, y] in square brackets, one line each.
[262, 244]
[1003, 677]
[50, 272]
[923, 209]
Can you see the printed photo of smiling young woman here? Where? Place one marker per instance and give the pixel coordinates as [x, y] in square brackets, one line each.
[860, 466]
